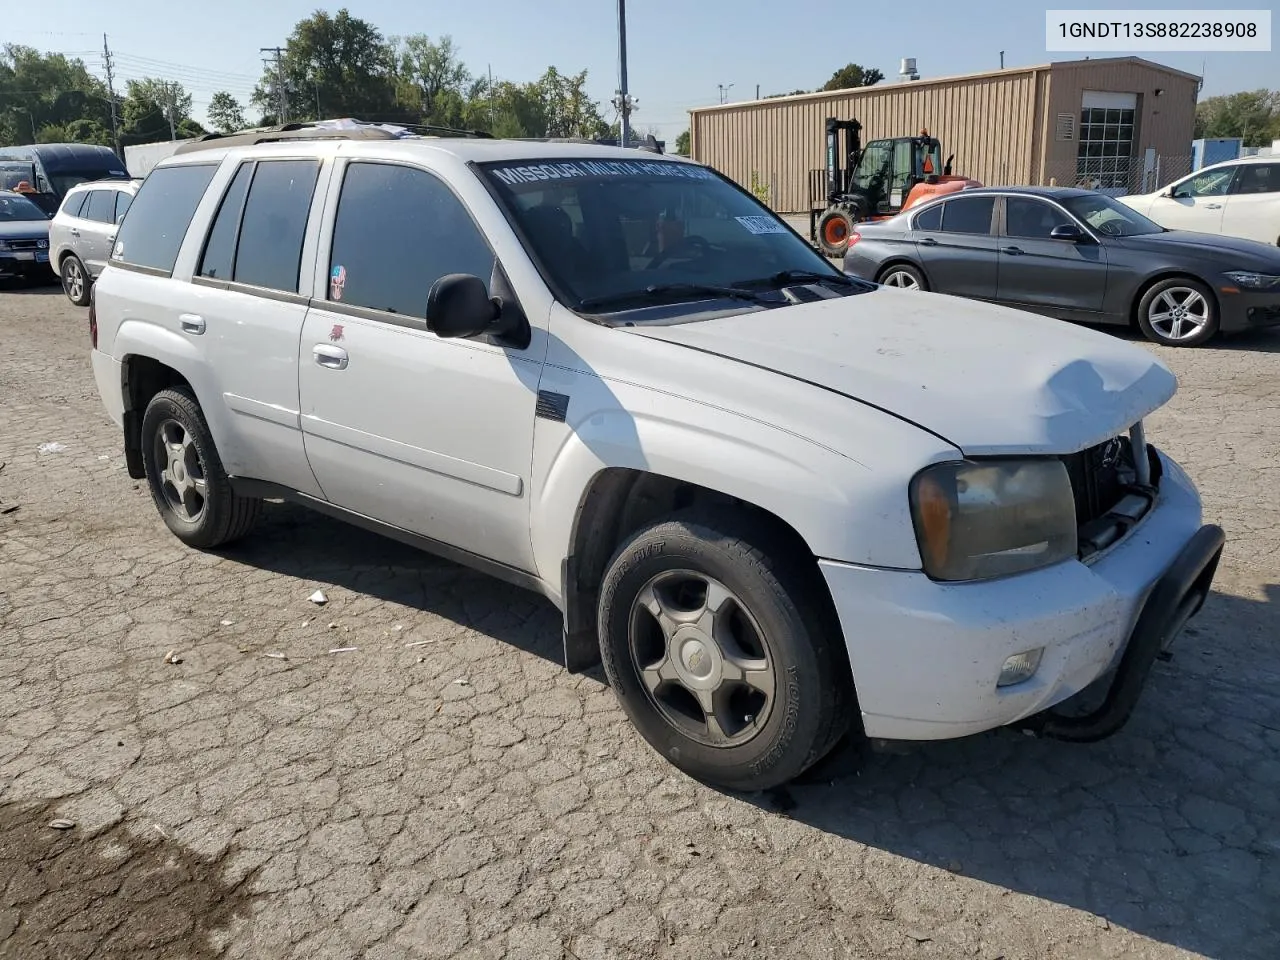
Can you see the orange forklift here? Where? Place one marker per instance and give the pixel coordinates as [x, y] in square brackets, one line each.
[876, 182]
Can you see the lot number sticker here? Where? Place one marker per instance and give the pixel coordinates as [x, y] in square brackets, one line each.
[761, 225]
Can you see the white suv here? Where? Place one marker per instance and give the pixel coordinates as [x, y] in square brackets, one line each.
[1237, 198]
[83, 231]
[776, 500]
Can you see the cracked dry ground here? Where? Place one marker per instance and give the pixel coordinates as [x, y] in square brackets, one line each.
[468, 798]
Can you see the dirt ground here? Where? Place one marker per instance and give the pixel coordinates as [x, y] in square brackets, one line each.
[446, 790]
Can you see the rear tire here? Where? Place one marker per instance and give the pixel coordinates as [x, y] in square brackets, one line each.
[835, 227]
[703, 619]
[1179, 312]
[188, 483]
[75, 280]
[903, 276]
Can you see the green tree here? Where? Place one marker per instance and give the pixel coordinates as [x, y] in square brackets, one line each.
[682, 144]
[1252, 115]
[434, 80]
[853, 75]
[146, 111]
[342, 61]
[47, 90]
[225, 113]
[793, 93]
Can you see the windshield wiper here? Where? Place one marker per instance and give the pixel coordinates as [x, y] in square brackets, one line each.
[664, 291]
[796, 276]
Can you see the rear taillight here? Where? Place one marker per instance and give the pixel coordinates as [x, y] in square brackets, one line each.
[93, 318]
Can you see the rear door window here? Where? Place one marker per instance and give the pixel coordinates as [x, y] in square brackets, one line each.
[152, 234]
[75, 204]
[122, 204]
[101, 206]
[274, 224]
[930, 220]
[968, 215]
[1258, 178]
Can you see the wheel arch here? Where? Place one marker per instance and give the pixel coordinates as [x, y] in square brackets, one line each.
[901, 260]
[615, 503]
[141, 378]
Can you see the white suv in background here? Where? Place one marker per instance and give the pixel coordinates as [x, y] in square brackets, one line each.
[777, 501]
[83, 230]
[1237, 198]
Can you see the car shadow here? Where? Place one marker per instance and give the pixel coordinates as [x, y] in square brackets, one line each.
[1266, 340]
[298, 542]
[38, 288]
[1171, 828]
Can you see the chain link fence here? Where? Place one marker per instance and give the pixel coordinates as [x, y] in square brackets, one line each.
[1118, 176]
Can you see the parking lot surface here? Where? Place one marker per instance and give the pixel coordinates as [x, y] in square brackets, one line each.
[440, 787]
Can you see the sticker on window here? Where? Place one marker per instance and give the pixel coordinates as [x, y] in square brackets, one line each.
[337, 280]
[761, 225]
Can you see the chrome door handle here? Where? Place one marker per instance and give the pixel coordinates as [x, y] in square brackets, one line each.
[330, 356]
[1012, 251]
[928, 241]
[191, 323]
[1213, 206]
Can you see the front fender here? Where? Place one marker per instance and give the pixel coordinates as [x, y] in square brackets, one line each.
[842, 508]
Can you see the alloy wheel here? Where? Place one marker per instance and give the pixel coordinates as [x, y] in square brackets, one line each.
[1178, 313]
[702, 658]
[72, 279]
[900, 279]
[180, 470]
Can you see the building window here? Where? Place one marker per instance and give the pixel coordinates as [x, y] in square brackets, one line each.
[1104, 157]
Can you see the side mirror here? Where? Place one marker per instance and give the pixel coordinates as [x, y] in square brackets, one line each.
[1067, 231]
[459, 305]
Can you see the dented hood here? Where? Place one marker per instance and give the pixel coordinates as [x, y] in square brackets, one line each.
[988, 379]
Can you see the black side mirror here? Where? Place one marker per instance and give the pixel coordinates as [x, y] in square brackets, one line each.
[459, 305]
[1067, 231]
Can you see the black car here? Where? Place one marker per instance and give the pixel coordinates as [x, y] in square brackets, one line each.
[1076, 255]
[24, 238]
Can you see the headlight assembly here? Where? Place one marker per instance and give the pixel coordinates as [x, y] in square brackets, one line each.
[1253, 281]
[977, 520]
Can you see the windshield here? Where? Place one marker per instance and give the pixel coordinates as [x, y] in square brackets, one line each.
[19, 208]
[1110, 217]
[603, 231]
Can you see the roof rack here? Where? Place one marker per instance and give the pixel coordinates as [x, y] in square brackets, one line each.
[346, 129]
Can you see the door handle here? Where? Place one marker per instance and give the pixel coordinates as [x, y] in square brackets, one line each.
[330, 356]
[1012, 251]
[75, 232]
[927, 242]
[191, 323]
[111, 239]
[1213, 206]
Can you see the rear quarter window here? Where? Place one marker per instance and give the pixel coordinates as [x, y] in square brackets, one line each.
[160, 214]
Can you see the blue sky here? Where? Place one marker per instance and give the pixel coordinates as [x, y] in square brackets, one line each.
[679, 50]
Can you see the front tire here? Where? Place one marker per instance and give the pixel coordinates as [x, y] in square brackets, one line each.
[1178, 312]
[75, 280]
[188, 483]
[724, 651]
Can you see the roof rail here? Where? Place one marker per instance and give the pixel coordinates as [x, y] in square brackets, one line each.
[345, 129]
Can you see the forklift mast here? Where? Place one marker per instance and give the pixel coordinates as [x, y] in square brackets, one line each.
[844, 149]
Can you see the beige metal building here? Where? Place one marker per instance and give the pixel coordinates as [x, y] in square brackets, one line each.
[1122, 123]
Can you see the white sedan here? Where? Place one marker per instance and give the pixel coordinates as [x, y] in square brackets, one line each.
[1238, 198]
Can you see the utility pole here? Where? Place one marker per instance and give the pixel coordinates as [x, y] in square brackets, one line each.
[170, 95]
[490, 67]
[111, 92]
[282, 101]
[623, 102]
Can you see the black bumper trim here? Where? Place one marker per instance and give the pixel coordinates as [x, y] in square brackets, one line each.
[1175, 599]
